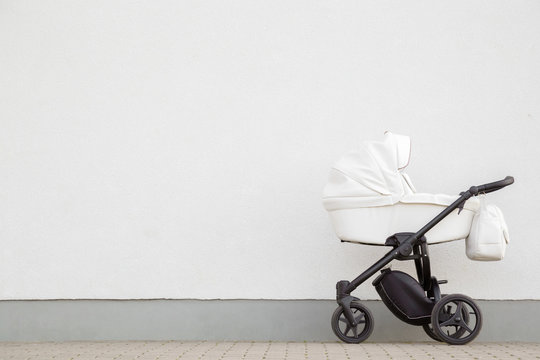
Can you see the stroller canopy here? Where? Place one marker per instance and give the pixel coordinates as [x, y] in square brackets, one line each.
[372, 174]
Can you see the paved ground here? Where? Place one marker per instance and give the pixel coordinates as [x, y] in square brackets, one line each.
[207, 350]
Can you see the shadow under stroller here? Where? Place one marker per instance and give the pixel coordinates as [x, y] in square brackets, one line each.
[370, 200]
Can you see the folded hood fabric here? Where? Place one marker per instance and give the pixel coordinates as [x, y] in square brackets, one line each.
[373, 171]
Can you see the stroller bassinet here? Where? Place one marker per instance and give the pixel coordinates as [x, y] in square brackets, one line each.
[369, 197]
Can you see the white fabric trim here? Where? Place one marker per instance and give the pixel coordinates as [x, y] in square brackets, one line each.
[439, 199]
[352, 202]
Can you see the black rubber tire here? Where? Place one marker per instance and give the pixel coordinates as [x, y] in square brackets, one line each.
[429, 331]
[463, 333]
[339, 321]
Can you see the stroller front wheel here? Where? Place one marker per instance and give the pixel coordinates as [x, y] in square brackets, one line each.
[353, 334]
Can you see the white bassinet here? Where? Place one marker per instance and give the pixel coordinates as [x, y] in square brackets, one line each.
[369, 198]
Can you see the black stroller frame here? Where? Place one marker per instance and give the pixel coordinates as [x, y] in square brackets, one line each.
[426, 307]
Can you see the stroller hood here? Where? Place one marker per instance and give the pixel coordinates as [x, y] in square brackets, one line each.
[373, 172]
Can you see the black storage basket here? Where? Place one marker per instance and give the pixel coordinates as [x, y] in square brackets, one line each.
[404, 296]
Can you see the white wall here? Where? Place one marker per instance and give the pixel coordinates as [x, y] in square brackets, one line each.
[167, 149]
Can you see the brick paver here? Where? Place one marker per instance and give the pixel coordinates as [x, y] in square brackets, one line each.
[208, 350]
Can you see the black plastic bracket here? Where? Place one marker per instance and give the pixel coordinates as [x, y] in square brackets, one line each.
[435, 292]
[397, 239]
[341, 289]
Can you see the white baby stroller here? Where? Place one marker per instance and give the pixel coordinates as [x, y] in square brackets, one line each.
[371, 201]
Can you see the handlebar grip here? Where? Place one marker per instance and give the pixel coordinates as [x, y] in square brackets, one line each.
[490, 187]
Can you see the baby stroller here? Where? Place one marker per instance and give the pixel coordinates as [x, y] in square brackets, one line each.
[371, 201]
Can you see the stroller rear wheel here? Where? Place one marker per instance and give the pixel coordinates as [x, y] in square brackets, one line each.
[456, 319]
[428, 329]
[353, 334]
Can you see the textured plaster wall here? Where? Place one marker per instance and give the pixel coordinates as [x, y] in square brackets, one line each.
[163, 149]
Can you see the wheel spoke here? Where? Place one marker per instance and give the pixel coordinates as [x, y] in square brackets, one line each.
[449, 322]
[355, 331]
[465, 326]
[452, 321]
[359, 318]
[344, 321]
[347, 329]
[459, 308]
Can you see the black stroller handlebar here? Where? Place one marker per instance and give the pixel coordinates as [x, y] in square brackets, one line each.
[490, 187]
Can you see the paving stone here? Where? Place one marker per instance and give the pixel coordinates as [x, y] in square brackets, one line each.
[206, 350]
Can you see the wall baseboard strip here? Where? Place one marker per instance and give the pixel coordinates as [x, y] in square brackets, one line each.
[263, 320]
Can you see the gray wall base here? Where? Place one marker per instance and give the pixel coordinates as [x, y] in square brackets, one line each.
[288, 320]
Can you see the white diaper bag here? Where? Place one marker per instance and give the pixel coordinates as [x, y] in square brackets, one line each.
[488, 237]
